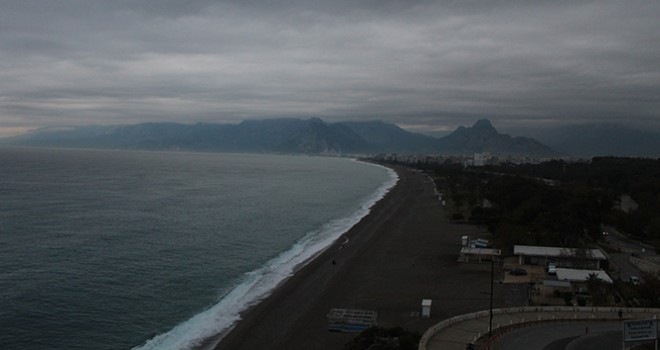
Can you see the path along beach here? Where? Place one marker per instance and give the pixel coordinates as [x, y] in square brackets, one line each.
[404, 251]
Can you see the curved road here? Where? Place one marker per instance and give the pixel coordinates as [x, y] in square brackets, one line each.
[558, 328]
[626, 247]
[595, 335]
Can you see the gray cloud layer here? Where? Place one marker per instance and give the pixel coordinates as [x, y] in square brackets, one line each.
[423, 64]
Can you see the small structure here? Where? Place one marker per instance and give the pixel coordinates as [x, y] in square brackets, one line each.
[474, 243]
[426, 308]
[565, 285]
[465, 241]
[479, 243]
[469, 254]
[351, 320]
[562, 257]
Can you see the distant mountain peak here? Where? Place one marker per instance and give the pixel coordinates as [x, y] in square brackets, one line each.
[483, 124]
[483, 137]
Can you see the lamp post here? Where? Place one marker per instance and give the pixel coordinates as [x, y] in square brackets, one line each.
[492, 282]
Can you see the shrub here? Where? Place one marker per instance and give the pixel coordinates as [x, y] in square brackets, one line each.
[377, 338]
[457, 217]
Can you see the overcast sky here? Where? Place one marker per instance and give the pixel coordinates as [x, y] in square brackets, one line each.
[424, 65]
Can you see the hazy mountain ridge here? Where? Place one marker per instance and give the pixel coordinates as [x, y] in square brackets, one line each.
[607, 139]
[309, 136]
[483, 137]
[279, 135]
[389, 138]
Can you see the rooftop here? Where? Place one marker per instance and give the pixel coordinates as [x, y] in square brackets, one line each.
[582, 275]
[554, 283]
[558, 252]
[480, 251]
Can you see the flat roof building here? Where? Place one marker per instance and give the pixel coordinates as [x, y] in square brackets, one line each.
[561, 257]
[579, 276]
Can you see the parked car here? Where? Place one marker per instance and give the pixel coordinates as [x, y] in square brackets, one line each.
[518, 272]
[552, 269]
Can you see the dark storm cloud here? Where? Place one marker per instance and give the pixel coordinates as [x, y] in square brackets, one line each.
[428, 65]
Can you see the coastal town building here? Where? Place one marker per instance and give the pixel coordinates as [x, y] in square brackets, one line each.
[481, 159]
[584, 258]
[576, 276]
[463, 159]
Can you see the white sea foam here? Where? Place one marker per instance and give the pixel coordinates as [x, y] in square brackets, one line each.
[258, 284]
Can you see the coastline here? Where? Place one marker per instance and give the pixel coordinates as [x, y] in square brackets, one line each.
[391, 261]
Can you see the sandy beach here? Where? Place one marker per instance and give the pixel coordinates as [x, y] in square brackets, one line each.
[404, 251]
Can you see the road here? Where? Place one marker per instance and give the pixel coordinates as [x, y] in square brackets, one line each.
[626, 248]
[627, 245]
[594, 335]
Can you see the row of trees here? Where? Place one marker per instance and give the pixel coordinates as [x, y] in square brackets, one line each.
[612, 177]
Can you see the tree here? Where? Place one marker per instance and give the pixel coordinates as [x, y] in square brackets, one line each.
[649, 288]
[597, 290]
[582, 256]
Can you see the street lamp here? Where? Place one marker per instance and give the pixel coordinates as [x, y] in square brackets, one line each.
[492, 282]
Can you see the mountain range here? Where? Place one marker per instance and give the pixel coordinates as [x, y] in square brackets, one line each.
[604, 139]
[308, 136]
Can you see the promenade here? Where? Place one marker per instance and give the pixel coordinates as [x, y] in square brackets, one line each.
[457, 332]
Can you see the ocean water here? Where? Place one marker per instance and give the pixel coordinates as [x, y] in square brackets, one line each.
[160, 250]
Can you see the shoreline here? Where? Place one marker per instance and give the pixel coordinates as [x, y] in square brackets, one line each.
[258, 284]
[215, 341]
[340, 240]
[391, 261]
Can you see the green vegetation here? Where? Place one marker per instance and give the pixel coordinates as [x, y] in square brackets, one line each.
[599, 291]
[559, 203]
[608, 178]
[555, 203]
[649, 289]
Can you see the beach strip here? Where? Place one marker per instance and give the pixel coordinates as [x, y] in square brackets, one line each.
[404, 251]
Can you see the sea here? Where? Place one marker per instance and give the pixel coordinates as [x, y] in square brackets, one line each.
[112, 249]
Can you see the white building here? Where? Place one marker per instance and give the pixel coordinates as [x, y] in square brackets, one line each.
[561, 257]
[581, 276]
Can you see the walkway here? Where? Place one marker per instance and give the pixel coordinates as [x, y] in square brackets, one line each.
[458, 331]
